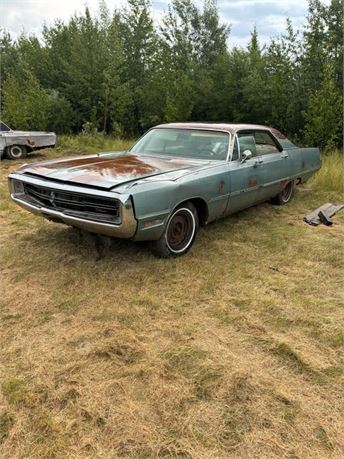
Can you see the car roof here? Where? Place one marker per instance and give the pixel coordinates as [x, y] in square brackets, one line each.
[227, 127]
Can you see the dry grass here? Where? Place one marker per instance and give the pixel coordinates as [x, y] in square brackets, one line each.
[233, 351]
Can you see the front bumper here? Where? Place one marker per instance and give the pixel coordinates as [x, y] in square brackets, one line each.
[125, 230]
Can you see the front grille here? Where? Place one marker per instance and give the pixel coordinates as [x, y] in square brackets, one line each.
[80, 205]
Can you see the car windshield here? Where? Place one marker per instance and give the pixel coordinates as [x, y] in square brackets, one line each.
[188, 143]
[3, 127]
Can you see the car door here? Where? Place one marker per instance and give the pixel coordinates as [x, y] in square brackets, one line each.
[244, 175]
[274, 164]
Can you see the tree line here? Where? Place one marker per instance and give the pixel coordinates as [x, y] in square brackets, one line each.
[120, 73]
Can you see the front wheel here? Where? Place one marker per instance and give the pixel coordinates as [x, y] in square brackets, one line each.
[179, 234]
[285, 195]
[16, 152]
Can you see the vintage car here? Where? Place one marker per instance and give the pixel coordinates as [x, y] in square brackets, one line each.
[17, 144]
[177, 177]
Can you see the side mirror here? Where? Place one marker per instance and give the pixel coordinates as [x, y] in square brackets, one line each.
[247, 154]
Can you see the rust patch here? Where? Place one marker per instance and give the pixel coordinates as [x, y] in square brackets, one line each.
[252, 182]
[31, 142]
[222, 186]
[107, 170]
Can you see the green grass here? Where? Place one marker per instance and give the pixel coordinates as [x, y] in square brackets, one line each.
[233, 351]
[93, 142]
[330, 176]
[14, 390]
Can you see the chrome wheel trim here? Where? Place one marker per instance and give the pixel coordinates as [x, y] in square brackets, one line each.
[185, 209]
[16, 151]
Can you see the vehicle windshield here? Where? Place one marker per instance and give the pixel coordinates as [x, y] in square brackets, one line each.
[3, 127]
[188, 143]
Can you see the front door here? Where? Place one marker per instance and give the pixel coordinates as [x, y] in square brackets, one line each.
[245, 176]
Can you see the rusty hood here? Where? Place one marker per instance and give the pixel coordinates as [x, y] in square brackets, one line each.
[109, 170]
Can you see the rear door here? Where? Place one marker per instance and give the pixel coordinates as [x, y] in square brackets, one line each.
[275, 165]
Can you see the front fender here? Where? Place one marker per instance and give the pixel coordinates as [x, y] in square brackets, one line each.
[154, 200]
[152, 204]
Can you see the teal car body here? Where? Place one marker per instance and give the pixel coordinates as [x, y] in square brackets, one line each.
[208, 170]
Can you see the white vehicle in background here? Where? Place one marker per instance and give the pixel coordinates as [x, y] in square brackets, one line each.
[17, 144]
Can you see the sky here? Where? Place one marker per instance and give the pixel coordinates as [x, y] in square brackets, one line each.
[269, 16]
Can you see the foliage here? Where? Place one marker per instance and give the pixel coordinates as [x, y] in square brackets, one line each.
[122, 73]
[323, 118]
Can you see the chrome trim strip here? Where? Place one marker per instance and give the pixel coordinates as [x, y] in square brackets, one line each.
[220, 197]
[142, 228]
[244, 190]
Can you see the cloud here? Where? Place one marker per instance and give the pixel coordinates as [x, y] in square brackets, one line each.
[269, 16]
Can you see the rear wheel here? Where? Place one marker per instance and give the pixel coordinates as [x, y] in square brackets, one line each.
[16, 152]
[179, 234]
[285, 195]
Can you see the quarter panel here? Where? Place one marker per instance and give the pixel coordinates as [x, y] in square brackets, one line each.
[305, 162]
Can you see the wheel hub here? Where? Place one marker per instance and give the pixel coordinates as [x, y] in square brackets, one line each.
[180, 230]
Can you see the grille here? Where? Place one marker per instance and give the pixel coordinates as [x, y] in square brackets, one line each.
[76, 204]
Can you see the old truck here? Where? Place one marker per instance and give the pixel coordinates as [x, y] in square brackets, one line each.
[177, 177]
[17, 144]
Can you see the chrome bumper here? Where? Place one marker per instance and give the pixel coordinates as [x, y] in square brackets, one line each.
[125, 230]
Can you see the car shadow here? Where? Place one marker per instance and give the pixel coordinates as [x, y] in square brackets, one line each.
[100, 247]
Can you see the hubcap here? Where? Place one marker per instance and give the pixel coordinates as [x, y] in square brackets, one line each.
[16, 152]
[180, 231]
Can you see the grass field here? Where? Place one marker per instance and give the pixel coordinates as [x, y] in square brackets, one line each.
[233, 351]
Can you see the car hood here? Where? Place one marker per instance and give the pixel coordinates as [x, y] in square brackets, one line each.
[107, 171]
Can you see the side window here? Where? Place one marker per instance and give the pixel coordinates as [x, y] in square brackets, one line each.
[265, 143]
[235, 155]
[247, 142]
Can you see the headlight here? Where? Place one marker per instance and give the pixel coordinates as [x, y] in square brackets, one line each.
[16, 187]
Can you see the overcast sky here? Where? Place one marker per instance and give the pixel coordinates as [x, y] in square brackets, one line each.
[269, 16]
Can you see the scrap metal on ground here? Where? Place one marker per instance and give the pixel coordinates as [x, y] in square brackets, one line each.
[323, 214]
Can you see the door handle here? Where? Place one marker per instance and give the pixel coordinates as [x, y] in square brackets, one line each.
[258, 161]
[284, 155]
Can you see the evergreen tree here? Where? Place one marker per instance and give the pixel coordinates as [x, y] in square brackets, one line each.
[139, 43]
[255, 90]
[323, 117]
[121, 73]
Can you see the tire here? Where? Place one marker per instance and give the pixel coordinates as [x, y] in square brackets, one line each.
[284, 196]
[179, 234]
[16, 152]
